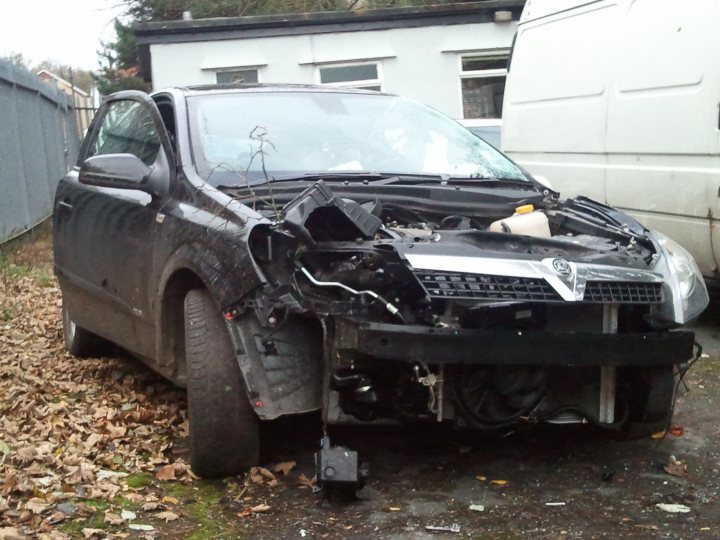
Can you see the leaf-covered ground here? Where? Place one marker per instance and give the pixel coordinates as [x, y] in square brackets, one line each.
[95, 449]
[80, 440]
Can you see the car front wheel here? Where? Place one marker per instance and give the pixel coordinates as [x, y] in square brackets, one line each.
[224, 431]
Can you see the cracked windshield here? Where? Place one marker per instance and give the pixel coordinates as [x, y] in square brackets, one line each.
[241, 138]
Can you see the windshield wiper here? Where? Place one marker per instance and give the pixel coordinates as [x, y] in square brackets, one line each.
[358, 176]
[449, 180]
[387, 178]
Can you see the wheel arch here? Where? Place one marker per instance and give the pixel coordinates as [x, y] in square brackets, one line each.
[182, 273]
[170, 339]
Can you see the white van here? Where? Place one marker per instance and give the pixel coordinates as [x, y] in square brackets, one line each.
[618, 101]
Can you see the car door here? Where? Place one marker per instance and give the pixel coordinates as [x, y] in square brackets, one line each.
[104, 244]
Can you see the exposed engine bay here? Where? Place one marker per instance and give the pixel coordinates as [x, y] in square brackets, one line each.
[457, 305]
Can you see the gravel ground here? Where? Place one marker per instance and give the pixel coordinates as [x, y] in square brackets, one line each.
[96, 448]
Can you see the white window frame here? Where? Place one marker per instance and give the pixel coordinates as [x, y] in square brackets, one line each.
[239, 68]
[352, 84]
[478, 73]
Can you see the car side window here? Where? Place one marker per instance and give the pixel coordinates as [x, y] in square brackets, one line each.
[127, 128]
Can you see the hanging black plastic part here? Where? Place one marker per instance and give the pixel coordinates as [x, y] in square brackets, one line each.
[339, 470]
[318, 215]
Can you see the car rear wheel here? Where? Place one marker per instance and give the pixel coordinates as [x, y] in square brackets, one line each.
[224, 431]
[80, 342]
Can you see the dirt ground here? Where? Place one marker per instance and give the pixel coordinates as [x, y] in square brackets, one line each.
[96, 448]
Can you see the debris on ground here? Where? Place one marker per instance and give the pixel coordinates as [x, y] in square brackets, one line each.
[167, 515]
[262, 476]
[476, 507]
[305, 482]
[454, 528]
[257, 509]
[284, 467]
[676, 467]
[673, 508]
[676, 431]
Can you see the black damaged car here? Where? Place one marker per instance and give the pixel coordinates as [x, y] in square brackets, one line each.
[285, 249]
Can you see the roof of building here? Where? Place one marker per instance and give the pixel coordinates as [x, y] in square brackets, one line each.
[203, 89]
[224, 28]
[59, 79]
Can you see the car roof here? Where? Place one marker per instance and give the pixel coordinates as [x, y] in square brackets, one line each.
[277, 87]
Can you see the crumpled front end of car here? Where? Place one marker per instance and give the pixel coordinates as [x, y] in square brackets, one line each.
[376, 311]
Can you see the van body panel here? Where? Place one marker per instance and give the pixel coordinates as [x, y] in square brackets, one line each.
[633, 119]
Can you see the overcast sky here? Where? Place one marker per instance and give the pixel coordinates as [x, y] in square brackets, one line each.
[67, 31]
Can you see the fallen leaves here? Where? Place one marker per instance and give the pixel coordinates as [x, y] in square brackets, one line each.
[113, 519]
[257, 509]
[166, 473]
[167, 515]
[676, 467]
[10, 533]
[262, 476]
[498, 483]
[75, 430]
[675, 431]
[305, 482]
[284, 467]
[36, 505]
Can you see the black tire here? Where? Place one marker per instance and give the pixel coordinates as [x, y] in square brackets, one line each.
[224, 431]
[80, 342]
[650, 393]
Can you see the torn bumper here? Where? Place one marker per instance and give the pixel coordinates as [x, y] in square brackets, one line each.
[413, 343]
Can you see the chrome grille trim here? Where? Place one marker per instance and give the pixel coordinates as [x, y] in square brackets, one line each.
[487, 287]
[623, 292]
[522, 289]
[532, 279]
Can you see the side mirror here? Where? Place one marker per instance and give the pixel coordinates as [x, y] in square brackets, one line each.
[126, 171]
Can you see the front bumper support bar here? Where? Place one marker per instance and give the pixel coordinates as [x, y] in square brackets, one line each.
[414, 343]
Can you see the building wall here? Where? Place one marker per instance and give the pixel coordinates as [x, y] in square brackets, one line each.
[421, 63]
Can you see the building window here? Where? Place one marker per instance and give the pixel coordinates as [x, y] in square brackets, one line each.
[482, 83]
[237, 76]
[365, 75]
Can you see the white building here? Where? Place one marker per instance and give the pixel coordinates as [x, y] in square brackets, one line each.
[452, 57]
